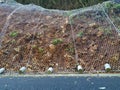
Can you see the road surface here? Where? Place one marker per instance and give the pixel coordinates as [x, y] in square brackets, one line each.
[60, 83]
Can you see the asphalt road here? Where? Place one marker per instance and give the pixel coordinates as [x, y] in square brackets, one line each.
[60, 83]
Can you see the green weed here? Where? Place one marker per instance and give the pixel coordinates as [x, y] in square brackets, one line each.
[56, 41]
[13, 34]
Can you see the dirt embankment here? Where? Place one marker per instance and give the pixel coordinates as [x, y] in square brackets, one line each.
[39, 39]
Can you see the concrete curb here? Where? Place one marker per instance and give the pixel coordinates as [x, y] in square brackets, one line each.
[63, 75]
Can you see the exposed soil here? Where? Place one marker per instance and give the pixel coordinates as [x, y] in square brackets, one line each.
[39, 39]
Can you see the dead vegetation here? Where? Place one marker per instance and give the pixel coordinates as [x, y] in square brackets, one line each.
[39, 40]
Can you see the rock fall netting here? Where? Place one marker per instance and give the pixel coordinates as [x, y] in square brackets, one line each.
[40, 38]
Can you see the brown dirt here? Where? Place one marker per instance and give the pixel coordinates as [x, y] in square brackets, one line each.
[37, 32]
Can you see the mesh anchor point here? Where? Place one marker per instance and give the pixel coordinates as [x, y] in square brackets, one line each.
[2, 70]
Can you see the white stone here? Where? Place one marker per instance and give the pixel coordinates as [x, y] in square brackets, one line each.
[79, 67]
[50, 69]
[2, 70]
[107, 66]
[23, 69]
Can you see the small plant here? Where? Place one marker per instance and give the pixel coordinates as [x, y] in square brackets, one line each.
[70, 48]
[48, 72]
[40, 50]
[106, 31]
[13, 34]
[57, 41]
[80, 34]
[20, 72]
[108, 70]
[80, 71]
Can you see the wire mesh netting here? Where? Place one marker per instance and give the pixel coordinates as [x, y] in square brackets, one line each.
[40, 38]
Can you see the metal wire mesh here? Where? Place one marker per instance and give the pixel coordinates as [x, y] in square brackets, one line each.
[37, 38]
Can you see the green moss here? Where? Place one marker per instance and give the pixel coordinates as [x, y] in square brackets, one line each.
[20, 72]
[57, 41]
[80, 71]
[108, 70]
[13, 34]
[80, 34]
[49, 72]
